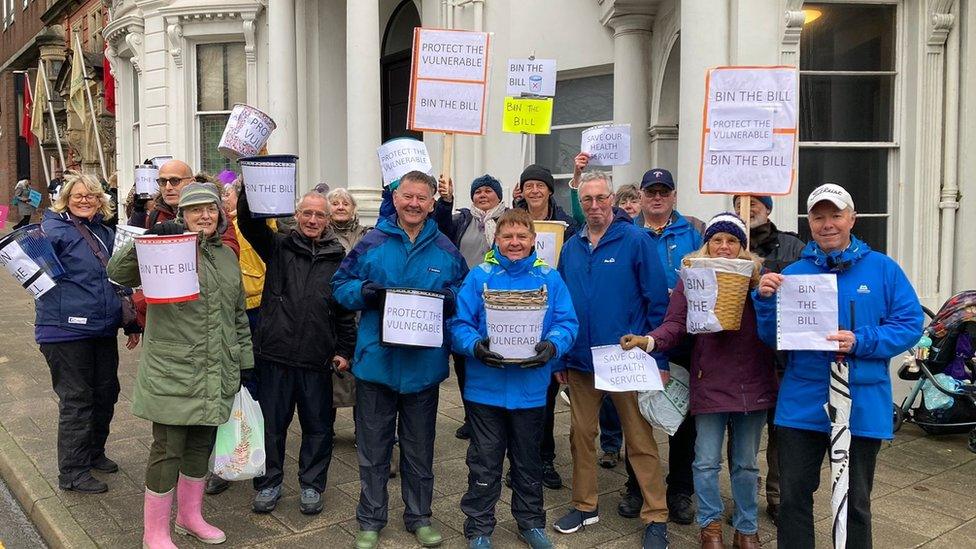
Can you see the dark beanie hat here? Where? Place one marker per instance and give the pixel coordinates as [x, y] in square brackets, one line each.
[487, 181]
[535, 172]
[766, 201]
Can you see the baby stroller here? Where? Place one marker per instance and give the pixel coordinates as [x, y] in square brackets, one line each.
[947, 347]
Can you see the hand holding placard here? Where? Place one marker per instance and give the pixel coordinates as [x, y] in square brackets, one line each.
[807, 313]
[607, 145]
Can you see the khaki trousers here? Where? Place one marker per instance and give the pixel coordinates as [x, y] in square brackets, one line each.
[638, 437]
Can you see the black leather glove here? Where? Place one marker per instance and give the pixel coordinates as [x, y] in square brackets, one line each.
[167, 228]
[373, 295]
[544, 350]
[483, 353]
[449, 304]
[139, 205]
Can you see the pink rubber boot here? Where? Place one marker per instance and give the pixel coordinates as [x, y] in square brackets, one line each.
[155, 520]
[189, 519]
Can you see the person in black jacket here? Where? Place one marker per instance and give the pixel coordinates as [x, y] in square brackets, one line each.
[535, 194]
[303, 335]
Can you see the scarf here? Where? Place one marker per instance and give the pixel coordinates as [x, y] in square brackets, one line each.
[487, 222]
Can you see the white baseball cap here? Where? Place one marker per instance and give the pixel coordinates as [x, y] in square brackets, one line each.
[835, 194]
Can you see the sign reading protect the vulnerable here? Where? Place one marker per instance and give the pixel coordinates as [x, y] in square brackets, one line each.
[413, 318]
[449, 81]
[402, 155]
[806, 313]
[749, 133]
[617, 370]
[514, 332]
[531, 77]
[607, 145]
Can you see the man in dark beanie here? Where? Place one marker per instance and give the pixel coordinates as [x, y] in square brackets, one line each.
[536, 187]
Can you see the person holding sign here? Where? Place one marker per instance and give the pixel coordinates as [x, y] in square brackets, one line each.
[887, 321]
[535, 189]
[616, 282]
[190, 369]
[506, 400]
[733, 381]
[393, 276]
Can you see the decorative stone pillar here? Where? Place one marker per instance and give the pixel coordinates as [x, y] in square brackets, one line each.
[631, 88]
[363, 106]
[283, 76]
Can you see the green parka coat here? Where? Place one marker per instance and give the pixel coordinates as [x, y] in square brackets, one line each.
[193, 351]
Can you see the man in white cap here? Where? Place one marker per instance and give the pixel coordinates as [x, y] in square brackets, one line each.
[880, 317]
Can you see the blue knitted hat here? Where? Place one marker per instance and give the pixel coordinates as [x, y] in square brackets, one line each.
[487, 181]
[726, 222]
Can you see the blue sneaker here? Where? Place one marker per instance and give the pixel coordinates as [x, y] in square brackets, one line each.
[576, 519]
[266, 500]
[480, 542]
[535, 538]
[656, 536]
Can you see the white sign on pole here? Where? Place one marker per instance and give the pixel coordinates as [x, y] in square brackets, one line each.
[617, 370]
[402, 155]
[607, 145]
[749, 135]
[413, 318]
[531, 77]
[452, 55]
[701, 293]
[514, 332]
[25, 270]
[806, 313]
[168, 267]
[456, 107]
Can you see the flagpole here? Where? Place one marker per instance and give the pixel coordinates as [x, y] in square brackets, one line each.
[91, 105]
[50, 108]
[40, 145]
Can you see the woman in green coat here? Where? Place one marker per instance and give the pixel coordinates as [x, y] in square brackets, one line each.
[193, 353]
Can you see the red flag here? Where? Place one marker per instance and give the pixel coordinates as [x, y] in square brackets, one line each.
[25, 121]
[108, 82]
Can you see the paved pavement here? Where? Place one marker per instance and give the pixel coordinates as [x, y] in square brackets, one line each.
[925, 489]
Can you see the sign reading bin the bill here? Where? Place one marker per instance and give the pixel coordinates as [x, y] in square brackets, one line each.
[413, 318]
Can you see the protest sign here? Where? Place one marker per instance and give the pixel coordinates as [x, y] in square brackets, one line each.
[125, 234]
[23, 267]
[413, 318]
[701, 293]
[607, 145]
[158, 161]
[402, 155]
[4, 213]
[270, 183]
[145, 178]
[549, 240]
[531, 77]
[246, 132]
[806, 313]
[168, 267]
[527, 115]
[35, 198]
[617, 370]
[514, 331]
[749, 130]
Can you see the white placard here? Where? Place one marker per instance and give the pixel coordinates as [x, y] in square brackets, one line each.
[145, 177]
[158, 161]
[448, 81]
[741, 129]
[449, 106]
[701, 293]
[270, 184]
[617, 370]
[124, 234]
[168, 267]
[413, 318]
[531, 77]
[452, 55]
[545, 248]
[806, 313]
[402, 155]
[607, 145]
[514, 333]
[27, 272]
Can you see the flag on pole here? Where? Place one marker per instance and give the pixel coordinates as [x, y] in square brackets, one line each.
[108, 81]
[40, 102]
[76, 90]
[25, 121]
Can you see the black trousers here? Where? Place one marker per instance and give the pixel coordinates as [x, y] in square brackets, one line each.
[377, 410]
[681, 455]
[548, 439]
[801, 455]
[461, 372]
[494, 431]
[84, 375]
[283, 388]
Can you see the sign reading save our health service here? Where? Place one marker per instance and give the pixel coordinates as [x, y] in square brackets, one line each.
[448, 81]
[617, 370]
[607, 145]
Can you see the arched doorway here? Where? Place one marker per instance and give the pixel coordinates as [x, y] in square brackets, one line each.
[395, 70]
[666, 109]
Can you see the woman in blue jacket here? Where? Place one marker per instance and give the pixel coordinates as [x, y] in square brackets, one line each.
[76, 326]
[506, 402]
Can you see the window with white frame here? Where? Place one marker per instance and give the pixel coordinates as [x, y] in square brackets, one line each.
[848, 74]
[579, 104]
[221, 82]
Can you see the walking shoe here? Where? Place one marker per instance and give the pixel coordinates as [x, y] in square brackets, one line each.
[85, 484]
[104, 465]
[266, 500]
[367, 539]
[463, 432]
[630, 505]
[609, 460]
[681, 510]
[189, 512]
[576, 519]
[480, 542]
[745, 541]
[656, 536]
[311, 502]
[772, 509]
[710, 536]
[550, 476]
[215, 485]
[428, 536]
[564, 394]
[535, 538]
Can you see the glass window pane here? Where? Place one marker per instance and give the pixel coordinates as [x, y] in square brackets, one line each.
[210, 77]
[211, 128]
[848, 37]
[557, 150]
[846, 108]
[863, 172]
[587, 99]
[873, 230]
[236, 78]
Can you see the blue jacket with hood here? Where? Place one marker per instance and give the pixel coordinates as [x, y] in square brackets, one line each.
[511, 387]
[887, 321]
[618, 288]
[387, 257]
[677, 240]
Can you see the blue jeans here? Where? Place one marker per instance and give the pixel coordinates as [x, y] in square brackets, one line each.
[746, 433]
[611, 433]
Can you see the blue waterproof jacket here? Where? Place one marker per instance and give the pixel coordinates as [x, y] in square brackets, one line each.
[83, 302]
[887, 321]
[678, 239]
[387, 257]
[511, 387]
[618, 288]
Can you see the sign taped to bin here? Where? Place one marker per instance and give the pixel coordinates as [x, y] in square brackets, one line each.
[168, 267]
[402, 155]
[413, 318]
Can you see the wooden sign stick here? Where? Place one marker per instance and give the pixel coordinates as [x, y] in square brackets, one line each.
[745, 203]
[448, 155]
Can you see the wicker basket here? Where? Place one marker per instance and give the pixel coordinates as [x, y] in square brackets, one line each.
[733, 276]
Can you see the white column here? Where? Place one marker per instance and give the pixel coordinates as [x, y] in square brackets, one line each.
[363, 106]
[283, 77]
[631, 90]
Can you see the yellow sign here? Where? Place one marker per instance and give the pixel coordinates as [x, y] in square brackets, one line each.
[527, 115]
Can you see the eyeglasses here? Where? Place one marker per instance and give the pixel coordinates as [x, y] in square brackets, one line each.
[313, 214]
[599, 199]
[651, 193]
[84, 198]
[171, 181]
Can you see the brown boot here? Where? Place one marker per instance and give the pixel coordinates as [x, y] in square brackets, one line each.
[745, 541]
[711, 536]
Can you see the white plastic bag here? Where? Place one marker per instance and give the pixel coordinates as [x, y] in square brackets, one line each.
[239, 450]
[667, 409]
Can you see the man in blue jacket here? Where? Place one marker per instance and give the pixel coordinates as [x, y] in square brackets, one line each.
[617, 285]
[887, 321]
[396, 381]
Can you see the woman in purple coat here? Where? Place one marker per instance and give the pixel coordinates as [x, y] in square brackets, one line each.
[733, 380]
